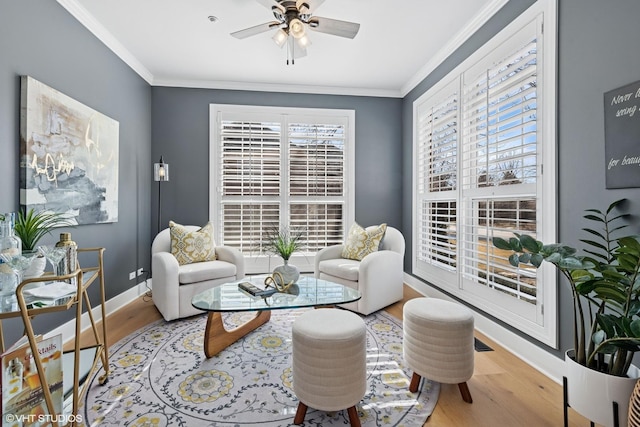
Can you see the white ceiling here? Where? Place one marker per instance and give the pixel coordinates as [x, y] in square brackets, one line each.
[173, 43]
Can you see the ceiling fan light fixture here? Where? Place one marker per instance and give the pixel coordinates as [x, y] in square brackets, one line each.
[296, 28]
[303, 7]
[280, 37]
[304, 41]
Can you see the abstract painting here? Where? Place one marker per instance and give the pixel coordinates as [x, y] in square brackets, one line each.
[68, 156]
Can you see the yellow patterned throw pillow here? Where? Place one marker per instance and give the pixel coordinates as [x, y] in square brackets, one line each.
[361, 242]
[192, 246]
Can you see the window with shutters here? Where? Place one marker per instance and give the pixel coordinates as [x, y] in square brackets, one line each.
[280, 167]
[482, 136]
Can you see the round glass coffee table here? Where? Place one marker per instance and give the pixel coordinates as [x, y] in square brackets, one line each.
[306, 292]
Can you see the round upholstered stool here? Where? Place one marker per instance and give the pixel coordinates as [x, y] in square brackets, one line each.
[438, 342]
[329, 362]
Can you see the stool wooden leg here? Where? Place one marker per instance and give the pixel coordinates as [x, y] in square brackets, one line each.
[353, 417]
[300, 413]
[464, 391]
[415, 382]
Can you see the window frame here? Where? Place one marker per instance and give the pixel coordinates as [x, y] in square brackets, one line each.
[541, 322]
[256, 262]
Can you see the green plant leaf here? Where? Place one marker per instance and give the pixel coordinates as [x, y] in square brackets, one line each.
[514, 260]
[282, 241]
[607, 324]
[635, 328]
[525, 258]
[600, 235]
[614, 204]
[634, 309]
[500, 243]
[618, 228]
[514, 242]
[554, 258]
[595, 244]
[529, 243]
[598, 337]
[536, 260]
[597, 255]
[594, 218]
[570, 263]
[581, 275]
[31, 226]
[610, 293]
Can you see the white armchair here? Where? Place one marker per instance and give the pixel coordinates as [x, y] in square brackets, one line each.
[378, 277]
[174, 285]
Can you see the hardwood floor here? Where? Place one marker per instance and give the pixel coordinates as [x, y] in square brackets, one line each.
[505, 390]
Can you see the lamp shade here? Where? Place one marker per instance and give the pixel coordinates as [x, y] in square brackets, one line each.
[304, 41]
[161, 171]
[280, 37]
[296, 28]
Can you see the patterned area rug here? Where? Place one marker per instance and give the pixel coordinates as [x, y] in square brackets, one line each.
[160, 377]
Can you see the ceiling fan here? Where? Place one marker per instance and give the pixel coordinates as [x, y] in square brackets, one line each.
[293, 18]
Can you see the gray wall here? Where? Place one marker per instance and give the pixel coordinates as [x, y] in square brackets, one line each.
[597, 53]
[181, 136]
[40, 39]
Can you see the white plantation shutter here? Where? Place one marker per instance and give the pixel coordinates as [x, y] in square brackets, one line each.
[500, 129]
[317, 181]
[249, 170]
[280, 168]
[316, 159]
[437, 243]
[500, 118]
[436, 169]
[488, 266]
[478, 144]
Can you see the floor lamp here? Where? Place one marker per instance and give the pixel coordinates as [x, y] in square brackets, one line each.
[160, 174]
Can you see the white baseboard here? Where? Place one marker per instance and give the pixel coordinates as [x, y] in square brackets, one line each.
[541, 360]
[68, 329]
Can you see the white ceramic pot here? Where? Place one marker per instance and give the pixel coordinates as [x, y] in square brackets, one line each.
[592, 393]
[290, 273]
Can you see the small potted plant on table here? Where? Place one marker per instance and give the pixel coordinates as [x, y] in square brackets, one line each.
[284, 242]
[30, 227]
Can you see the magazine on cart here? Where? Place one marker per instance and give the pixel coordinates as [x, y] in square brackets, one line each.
[22, 394]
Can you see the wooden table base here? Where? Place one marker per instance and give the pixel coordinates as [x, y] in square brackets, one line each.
[217, 338]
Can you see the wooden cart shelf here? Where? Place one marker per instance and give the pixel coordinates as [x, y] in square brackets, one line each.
[84, 278]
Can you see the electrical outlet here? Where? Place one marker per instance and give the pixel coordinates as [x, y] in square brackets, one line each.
[132, 275]
[140, 272]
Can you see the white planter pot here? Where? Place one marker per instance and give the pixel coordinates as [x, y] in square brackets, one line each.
[592, 393]
[290, 273]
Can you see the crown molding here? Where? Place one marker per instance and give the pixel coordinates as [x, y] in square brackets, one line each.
[98, 30]
[85, 18]
[287, 88]
[465, 34]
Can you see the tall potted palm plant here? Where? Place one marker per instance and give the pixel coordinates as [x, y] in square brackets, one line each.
[605, 286]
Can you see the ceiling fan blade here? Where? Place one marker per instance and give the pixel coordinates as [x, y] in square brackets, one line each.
[308, 6]
[252, 31]
[269, 4]
[334, 27]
